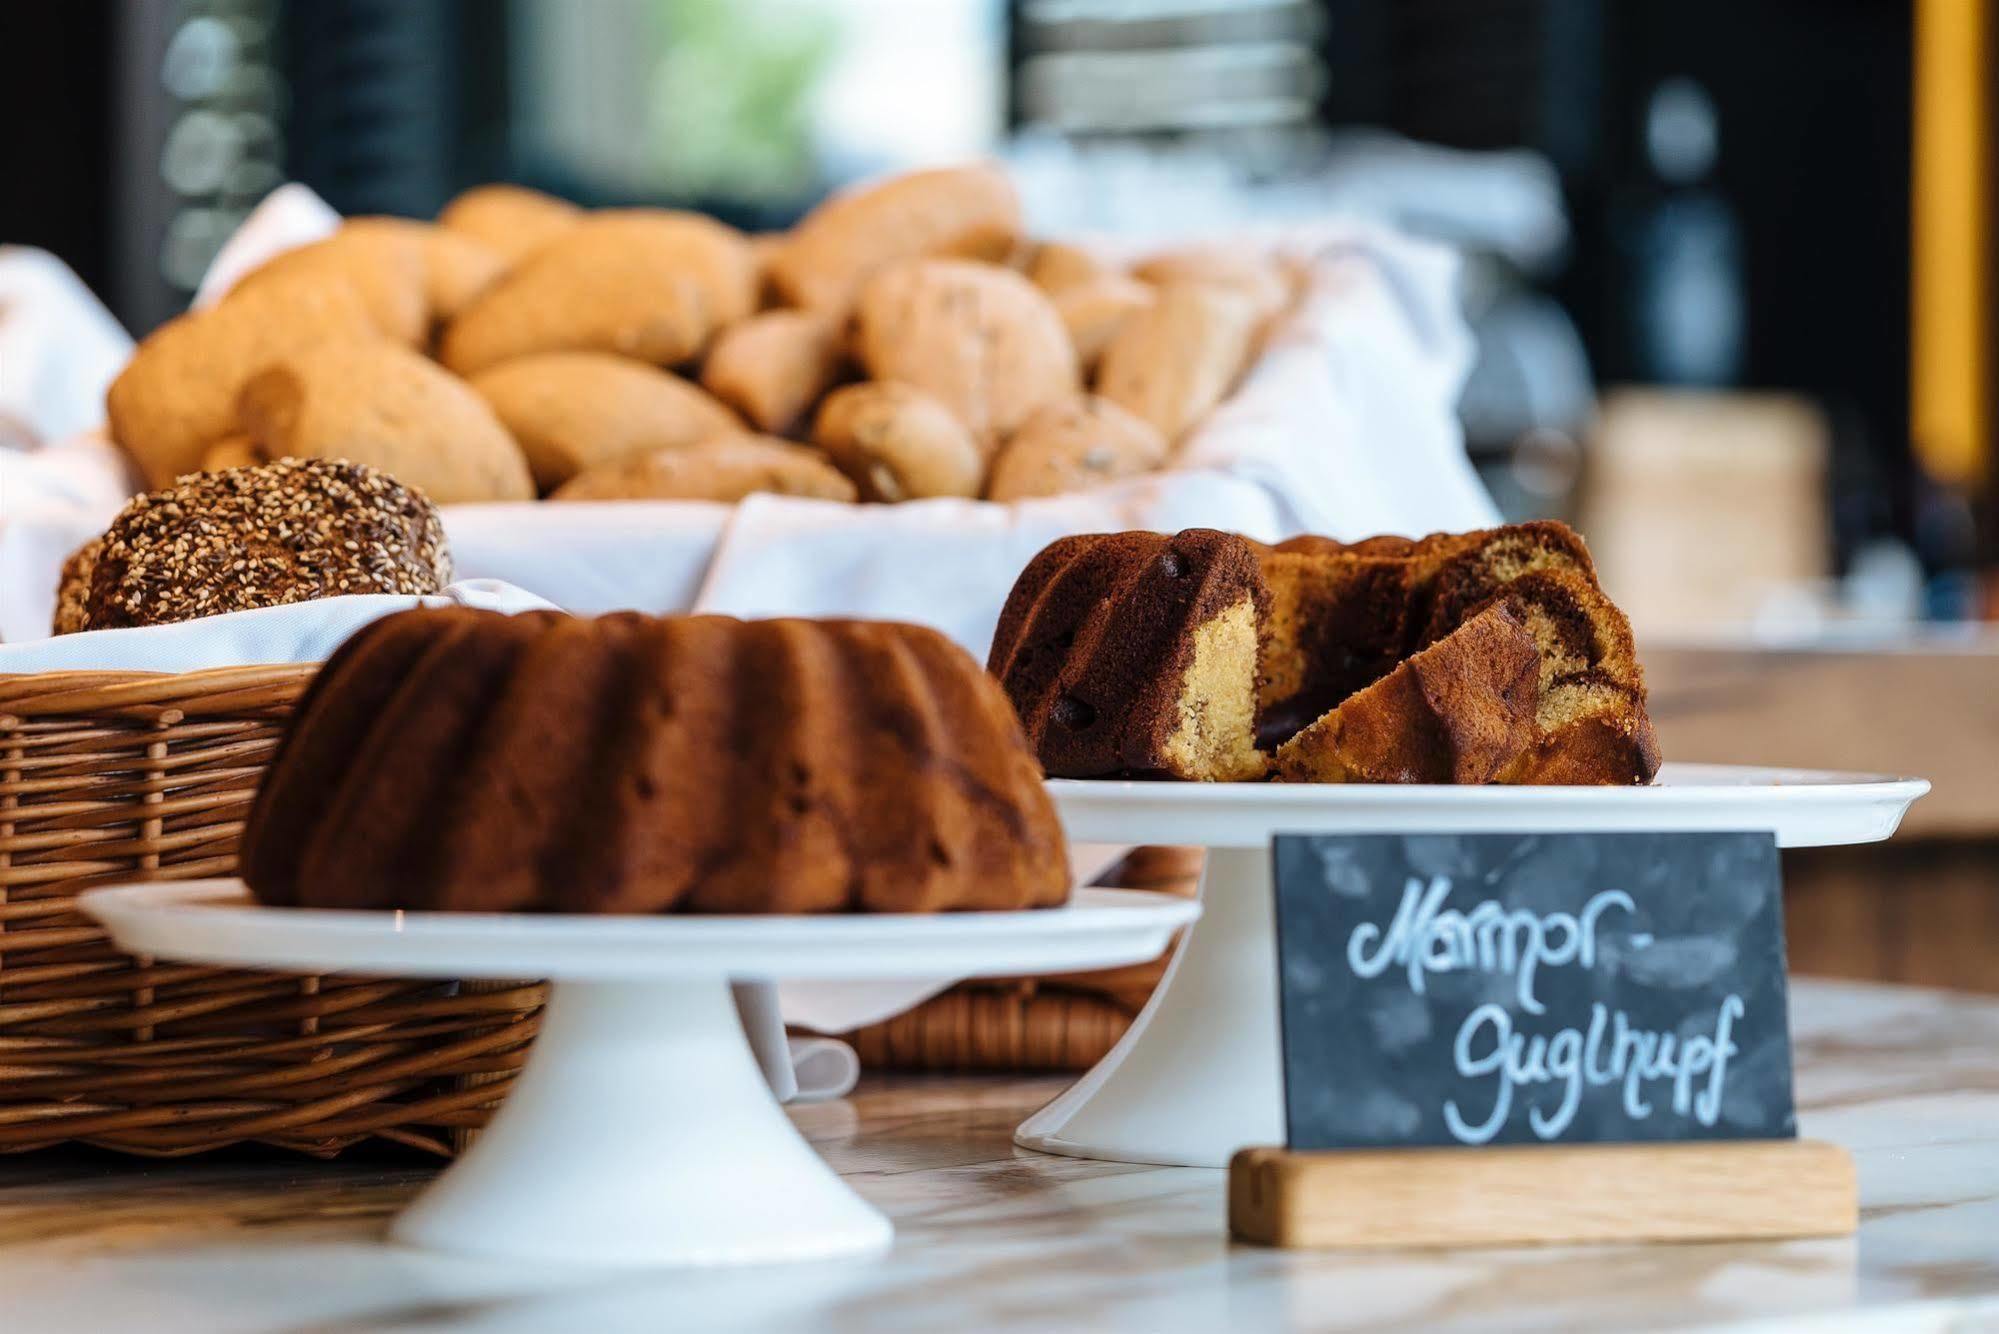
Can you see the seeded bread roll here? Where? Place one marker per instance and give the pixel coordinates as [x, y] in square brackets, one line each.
[573, 411]
[1172, 362]
[254, 537]
[1095, 309]
[385, 406]
[968, 212]
[726, 469]
[73, 588]
[773, 367]
[510, 220]
[1070, 446]
[982, 340]
[644, 283]
[177, 396]
[898, 443]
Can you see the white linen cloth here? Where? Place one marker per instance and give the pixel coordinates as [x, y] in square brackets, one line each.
[59, 349]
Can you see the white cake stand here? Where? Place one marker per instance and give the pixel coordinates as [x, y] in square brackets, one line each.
[1197, 1075]
[641, 1131]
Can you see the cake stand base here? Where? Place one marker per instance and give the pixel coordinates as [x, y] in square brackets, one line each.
[642, 1133]
[1197, 1075]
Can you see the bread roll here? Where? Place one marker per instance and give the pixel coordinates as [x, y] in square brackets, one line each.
[1056, 266]
[385, 269]
[377, 403]
[1250, 274]
[1095, 309]
[968, 212]
[573, 411]
[510, 220]
[773, 367]
[898, 443]
[644, 283]
[981, 339]
[1172, 362]
[725, 469]
[177, 395]
[1071, 446]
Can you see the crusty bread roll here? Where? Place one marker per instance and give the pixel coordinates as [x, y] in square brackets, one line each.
[1250, 274]
[510, 220]
[1056, 265]
[456, 268]
[177, 395]
[378, 403]
[1172, 362]
[969, 212]
[983, 340]
[645, 283]
[1094, 309]
[573, 411]
[385, 269]
[231, 451]
[1072, 446]
[773, 367]
[898, 443]
[725, 469]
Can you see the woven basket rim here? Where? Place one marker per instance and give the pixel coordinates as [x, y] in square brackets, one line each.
[81, 690]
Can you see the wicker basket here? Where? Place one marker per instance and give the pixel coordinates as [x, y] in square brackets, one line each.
[110, 776]
[1065, 1022]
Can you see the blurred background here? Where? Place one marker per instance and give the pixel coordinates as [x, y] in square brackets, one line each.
[1730, 267]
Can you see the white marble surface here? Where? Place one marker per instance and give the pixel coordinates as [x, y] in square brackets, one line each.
[994, 1238]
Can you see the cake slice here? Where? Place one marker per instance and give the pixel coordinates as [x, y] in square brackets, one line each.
[1461, 711]
[1135, 655]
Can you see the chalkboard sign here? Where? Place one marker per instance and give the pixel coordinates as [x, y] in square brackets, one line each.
[1466, 989]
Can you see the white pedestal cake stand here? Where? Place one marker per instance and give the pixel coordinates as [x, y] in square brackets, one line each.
[1197, 1075]
[641, 1131]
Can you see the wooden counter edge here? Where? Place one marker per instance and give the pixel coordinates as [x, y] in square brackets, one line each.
[1552, 1194]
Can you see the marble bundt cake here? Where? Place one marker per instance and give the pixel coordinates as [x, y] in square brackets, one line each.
[466, 760]
[1460, 711]
[1135, 653]
[1088, 666]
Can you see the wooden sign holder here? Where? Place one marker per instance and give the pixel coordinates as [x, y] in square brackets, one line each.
[1572, 1194]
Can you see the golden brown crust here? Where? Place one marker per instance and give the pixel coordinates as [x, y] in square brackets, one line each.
[1055, 266]
[385, 269]
[177, 395]
[461, 760]
[644, 283]
[773, 367]
[1250, 275]
[573, 411]
[1094, 310]
[898, 443]
[510, 220]
[966, 212]
[1174, 360]
[727, 468]
[1074, 446]
[380, 404]
[983, 340]
[456, 267]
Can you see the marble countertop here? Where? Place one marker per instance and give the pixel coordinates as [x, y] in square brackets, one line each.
[995, 1238]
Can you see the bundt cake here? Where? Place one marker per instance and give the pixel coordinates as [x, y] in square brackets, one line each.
[1460, 711]
[1089, 665]
[466, 760]
[1135, 653]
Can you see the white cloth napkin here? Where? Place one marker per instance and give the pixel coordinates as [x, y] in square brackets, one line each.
[59, 349]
